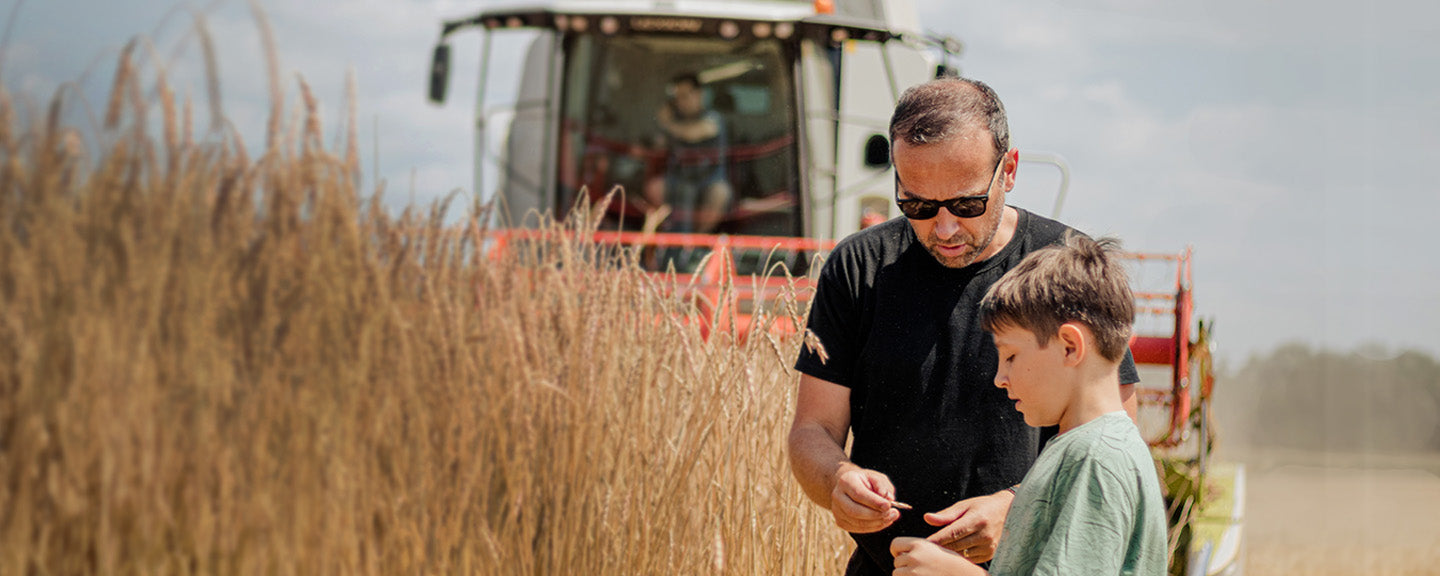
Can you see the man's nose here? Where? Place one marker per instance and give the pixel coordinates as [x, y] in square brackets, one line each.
[1002, 379]
[946, 224]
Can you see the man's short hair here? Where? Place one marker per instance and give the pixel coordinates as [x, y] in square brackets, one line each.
[690, 78]
[940, 109]
[1079, 281]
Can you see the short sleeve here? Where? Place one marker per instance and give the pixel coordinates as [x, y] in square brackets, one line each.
[1129, 373]
[834, 318]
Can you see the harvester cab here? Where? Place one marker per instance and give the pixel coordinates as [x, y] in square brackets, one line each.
[797, 96]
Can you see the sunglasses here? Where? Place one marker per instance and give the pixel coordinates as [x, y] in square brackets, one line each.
[962, 207]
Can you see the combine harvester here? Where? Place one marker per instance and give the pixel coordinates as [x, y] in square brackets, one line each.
[804, 92]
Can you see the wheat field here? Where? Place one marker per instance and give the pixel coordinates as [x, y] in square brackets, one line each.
[1336, 513]
[216, 362]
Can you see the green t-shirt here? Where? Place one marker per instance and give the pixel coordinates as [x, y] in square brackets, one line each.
[1090, 505]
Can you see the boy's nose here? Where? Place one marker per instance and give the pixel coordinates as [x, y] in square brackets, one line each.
[1002, 380]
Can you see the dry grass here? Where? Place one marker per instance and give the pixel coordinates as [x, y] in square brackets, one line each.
[212, 364]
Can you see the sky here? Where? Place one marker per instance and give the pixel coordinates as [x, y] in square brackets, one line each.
[1294, 145]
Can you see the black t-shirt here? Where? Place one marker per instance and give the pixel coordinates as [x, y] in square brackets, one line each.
[902, 332]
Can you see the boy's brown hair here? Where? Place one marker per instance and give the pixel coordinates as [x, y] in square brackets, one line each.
[1079, 281]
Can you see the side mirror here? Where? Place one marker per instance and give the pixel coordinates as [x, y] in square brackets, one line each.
[439, 73]
[877, 152]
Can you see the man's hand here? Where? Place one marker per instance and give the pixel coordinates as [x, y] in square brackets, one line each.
[918, 557]
[861, 501]
[972, 527]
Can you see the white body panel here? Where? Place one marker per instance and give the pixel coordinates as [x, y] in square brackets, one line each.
[874, 75]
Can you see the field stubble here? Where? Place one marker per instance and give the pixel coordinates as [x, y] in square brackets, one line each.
[212, 364]
[1330, 513]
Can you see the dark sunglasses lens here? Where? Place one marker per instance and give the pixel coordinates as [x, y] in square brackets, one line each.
[919, 209]
[966, 207]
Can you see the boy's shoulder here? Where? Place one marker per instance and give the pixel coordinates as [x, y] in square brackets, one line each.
[1110, 444]
[1110, 434]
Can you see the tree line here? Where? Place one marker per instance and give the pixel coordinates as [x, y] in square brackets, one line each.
[1303, 398]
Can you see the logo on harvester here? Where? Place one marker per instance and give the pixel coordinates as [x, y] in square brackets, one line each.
[666, 25]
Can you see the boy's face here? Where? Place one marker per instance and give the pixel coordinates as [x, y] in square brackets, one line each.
[1033, 375]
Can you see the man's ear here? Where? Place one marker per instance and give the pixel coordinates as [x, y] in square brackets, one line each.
[1010, 169]
[1072, 338]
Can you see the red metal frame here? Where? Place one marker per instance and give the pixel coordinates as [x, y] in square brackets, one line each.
[721, 296]
[1172, 350]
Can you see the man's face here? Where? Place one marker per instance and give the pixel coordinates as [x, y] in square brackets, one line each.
[688, 100]
[962, 166]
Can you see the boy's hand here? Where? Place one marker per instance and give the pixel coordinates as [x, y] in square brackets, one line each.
[861, 501]
[972, 527]
[917, 557]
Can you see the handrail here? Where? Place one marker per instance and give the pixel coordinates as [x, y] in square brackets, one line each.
[721, 294]
[683, 240]
[1059, 163]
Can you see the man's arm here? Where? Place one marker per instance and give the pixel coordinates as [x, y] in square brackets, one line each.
[858, 498]
[703, 128]
[1131, 402]
[817, 436]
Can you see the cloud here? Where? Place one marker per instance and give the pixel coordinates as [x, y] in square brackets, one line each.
[1038, 34]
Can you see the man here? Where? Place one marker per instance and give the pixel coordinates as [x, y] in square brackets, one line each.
[694, 185]
[905, 364]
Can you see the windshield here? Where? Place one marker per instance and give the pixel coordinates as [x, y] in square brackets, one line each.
[698, 134]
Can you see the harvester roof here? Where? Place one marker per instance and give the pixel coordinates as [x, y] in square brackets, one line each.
[869, 19]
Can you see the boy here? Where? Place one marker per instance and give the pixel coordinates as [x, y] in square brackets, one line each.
[1091, 504]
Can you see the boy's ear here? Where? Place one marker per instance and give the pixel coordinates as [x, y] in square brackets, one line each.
[1072, 338]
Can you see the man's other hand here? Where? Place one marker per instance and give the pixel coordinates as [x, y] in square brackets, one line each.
[972, 527]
